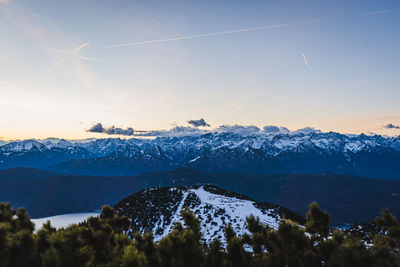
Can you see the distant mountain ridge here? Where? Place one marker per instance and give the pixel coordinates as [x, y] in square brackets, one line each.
[314, 152]
[348, 199]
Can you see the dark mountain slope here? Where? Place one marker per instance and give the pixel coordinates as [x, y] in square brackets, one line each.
[347, 198]
[22, 174]
[66, 194]
[111, 166]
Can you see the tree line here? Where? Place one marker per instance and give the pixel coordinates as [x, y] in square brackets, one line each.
[103, 241]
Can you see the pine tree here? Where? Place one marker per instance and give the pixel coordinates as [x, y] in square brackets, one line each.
[133, 257]
[42, 242]
[145, 243]
[317, 221]
[68, 249]
[236, 255]
[182, 247]
[257, 239]
[390, 226]
[352, 253]
[17, 244]
[216, 255]
[288, 246]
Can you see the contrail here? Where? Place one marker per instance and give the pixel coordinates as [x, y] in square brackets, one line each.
[73, 51]
[306, 62]
[270, 27]
[89, 58]
[378, 12]
[51, 50]
[70, 52]
[59, 63]
[80, 47]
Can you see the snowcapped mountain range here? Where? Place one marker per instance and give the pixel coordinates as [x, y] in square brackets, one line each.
[272, 143]
[366, 155]
[158, 210]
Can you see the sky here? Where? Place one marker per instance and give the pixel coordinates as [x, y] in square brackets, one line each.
[66, 66]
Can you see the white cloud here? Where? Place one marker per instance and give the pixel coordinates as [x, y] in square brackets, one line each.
[178, 131]
[174, 132]
[275, 129]
[239, 129]
[306, 130]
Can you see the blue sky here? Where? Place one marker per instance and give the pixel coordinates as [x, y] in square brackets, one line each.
[255, 77]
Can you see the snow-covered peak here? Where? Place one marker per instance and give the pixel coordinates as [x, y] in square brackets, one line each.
[158, 210]
[286, 141]
[235, 211]
[2, 143]
[103, 147]
[20, 146]
[58, 143]
[63, 144]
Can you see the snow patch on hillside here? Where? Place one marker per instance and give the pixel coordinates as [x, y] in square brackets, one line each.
[176, 218]
[236, 212]
[215, 212]
[61, 221]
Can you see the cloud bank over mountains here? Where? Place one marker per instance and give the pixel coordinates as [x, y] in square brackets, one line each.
[193, 129]
[198, 123]
[391, 126]
[112, 130]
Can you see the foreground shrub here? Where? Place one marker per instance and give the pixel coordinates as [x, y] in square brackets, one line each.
[103, 241]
